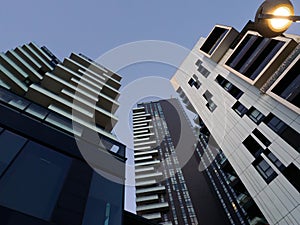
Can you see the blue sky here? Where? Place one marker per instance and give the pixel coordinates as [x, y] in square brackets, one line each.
[93, 27]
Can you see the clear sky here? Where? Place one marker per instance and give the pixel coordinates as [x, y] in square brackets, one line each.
[93, 27]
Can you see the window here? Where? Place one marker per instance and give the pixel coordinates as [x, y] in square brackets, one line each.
[265, 170]
[36, 176]
[213, 40]
[239, 109]
[211, 105]
[261, 137]
[194, 82]
[253, 54]
[254, 148]
[10, 144]
[274, 159]
[229, 87]
[207, 95]
[203, 71]
[275, 124]
[37, 111]
[292, 174]
[287, 133]
[198, 62]
[255, 115]
[289, 86]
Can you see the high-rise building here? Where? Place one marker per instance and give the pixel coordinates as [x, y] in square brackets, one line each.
[59, 163]
[177, 182]
[245, 90]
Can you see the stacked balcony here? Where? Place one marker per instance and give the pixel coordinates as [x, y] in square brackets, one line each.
[147, 177]
[77, 88]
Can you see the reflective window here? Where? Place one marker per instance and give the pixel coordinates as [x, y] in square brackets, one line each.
[287, 133]
[10, 144]
[105, 206]
[33, 183]
[255, 115]
[253, 54]
[37, 111]
[274, 159]
[265, 170]
[239, 108]
[289, 86]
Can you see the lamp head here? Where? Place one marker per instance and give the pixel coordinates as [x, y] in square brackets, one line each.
[271, 27]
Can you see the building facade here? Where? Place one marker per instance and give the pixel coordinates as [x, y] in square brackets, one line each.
[59, 162]
[174, 185]
[245, 90]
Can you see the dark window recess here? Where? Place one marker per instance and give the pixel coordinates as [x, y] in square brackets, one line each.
[287, 133]
[205, 72]
[261, 137]
[207, 95]
[229, 87]
[254, 148]
[255, 115]
[239, 108]
[194, 82]
[213, 40]
[292, 174]
[264, 169]
[211, 105]
[274, 159]
[198, 62]
[289, 86]
[253, 54]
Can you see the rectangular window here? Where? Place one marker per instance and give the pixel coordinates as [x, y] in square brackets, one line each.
[36, 177]
[211, 105]
[255, 115]
[253, 54]
[292, 174]
[289, 86]
[274, 159]
[239, 108]
[265, 170]
[194, 82]
[287, 133]
[203, 71]
[261, 137]
[207, 95]
[252, 145]
[229, 87]
[10, 144]
[213, 40]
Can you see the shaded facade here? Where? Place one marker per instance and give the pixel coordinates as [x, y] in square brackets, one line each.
[168, 156]
[55, 121]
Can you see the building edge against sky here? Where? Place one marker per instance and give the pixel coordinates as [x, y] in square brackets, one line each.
[245, 89]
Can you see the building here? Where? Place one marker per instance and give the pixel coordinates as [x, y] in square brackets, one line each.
[171, 187]
[55, 133]
[245, 90]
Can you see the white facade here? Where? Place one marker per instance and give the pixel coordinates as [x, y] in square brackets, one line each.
[277, 198]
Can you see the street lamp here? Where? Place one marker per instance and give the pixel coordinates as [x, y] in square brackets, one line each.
[274, 17]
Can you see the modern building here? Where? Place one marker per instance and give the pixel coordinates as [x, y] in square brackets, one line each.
[59, 162]
[177, 180]
[245, 90]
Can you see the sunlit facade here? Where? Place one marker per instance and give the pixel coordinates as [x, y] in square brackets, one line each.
[245, 90]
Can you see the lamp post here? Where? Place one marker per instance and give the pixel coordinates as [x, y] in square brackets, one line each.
[274, 17]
